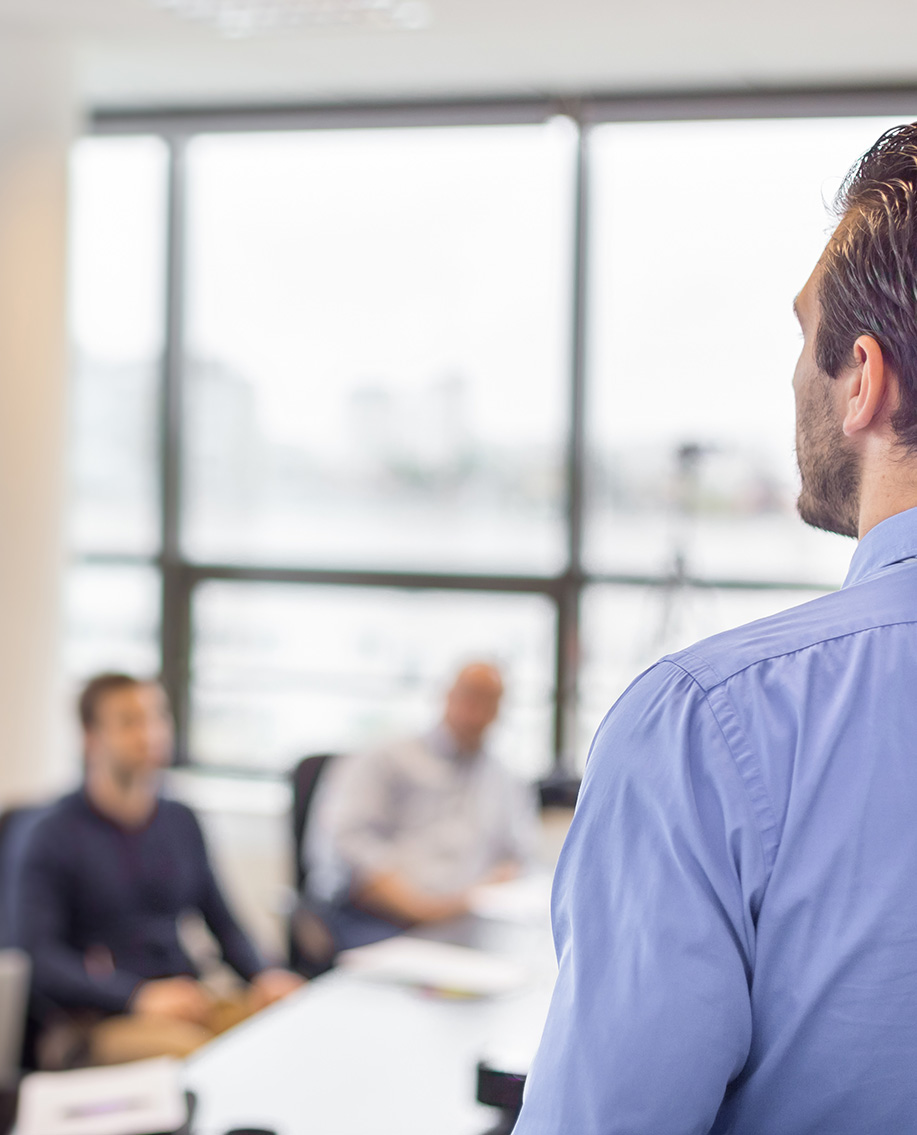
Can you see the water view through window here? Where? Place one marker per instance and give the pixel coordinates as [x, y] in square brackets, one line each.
[377, 348]
[375, 381]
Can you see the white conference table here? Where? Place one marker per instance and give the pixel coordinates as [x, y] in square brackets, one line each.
[348, 1056]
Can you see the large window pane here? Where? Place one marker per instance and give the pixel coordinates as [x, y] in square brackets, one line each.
[378, 347]
[704, 232]
[112, 620]
[625, 629]
[377, 375]
[283, 670]
[118, 213]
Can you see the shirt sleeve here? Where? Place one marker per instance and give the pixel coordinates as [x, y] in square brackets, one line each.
[237, 949]
[41, 919]
[654, 908]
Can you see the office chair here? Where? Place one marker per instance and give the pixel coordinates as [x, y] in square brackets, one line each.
[14, 998]
[308, 942]
[14, 823]
[304, 780]
[17, 1028]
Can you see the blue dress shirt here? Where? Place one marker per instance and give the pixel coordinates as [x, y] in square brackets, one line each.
[735, 909]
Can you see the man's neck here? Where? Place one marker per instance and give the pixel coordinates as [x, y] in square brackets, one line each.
[887, 489]
[455, 746]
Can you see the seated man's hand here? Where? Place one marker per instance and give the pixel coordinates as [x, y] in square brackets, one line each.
[395, 897]
[271, 985]
[180, 998]
[503, 872]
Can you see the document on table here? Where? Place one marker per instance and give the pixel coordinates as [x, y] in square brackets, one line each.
[436, 966]
[127, 1099]
[525, 900]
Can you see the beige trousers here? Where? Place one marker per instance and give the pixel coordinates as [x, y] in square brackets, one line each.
[87, 1040]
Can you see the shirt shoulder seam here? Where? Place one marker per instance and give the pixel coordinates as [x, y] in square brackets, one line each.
[701, 664]
[746, 765]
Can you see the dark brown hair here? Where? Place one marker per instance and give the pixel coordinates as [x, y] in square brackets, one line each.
[99, 687]
[868, 284]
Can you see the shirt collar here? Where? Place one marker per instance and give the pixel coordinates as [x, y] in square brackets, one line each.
[890, 542]
[442, 742]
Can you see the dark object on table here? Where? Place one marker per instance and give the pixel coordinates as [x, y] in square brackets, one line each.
[558, 790]
[251, 1131]
[502, 1090]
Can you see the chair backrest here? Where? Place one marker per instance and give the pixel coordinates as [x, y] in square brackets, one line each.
[14, 999]
[15, 824]
[304, 779]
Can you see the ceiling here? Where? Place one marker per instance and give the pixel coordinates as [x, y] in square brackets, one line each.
[127, 53]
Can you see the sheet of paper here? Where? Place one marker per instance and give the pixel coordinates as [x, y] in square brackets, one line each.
[524, 900]
[127, 1099]
[436, 966]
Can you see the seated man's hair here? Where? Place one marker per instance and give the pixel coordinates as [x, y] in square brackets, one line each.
[97, 688]
[869, 278]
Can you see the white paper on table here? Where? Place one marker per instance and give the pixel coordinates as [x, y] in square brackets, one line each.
[524, 900]
[126, 1099]
[438, 966]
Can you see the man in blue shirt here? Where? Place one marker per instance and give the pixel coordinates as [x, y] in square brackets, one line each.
[735, 909]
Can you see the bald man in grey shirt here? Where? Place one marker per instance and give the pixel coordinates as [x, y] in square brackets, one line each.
[400, 835]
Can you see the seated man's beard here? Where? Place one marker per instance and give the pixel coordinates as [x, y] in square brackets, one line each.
[131, 779]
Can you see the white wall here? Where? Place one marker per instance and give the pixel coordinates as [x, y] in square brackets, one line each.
[36, 125]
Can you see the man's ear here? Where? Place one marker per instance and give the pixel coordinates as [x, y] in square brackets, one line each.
[870, 386]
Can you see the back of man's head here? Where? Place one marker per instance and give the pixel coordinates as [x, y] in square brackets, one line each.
[868, 283]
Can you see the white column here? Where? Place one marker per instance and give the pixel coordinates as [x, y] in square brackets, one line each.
[37, 116]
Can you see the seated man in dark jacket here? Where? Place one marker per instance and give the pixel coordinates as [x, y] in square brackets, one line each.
[102, 879]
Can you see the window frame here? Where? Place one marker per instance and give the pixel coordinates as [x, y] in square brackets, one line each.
[180, 577]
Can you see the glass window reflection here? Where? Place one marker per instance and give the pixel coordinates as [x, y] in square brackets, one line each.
[282, 670]
[703, 232]
[378, 346]
[112, 620]
[116, 300]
